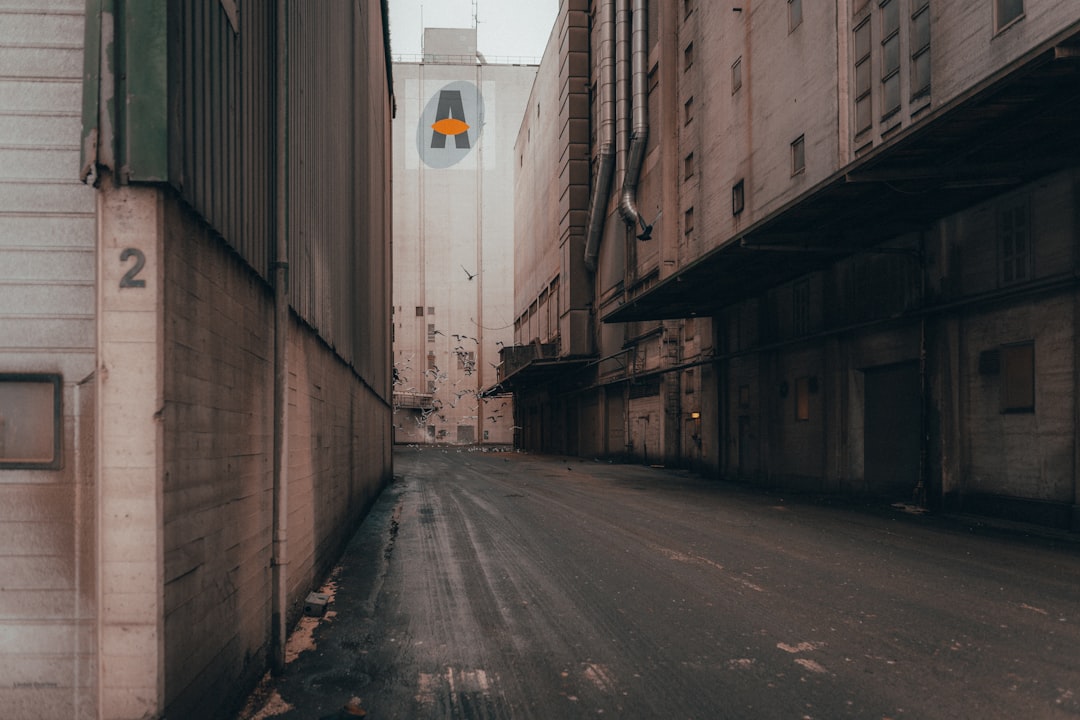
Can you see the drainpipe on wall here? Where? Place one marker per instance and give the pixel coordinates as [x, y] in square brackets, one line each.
[606, 150]
[279, 606]
[639, 133]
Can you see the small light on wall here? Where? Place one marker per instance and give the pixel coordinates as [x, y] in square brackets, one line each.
[695, 416]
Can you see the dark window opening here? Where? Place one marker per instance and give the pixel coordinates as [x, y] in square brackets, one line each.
[31, 421]
[802, 399]
[798, 155]
[1018, 378]
[800, 321]
[794, 14]
[863, 84]
[1006, 12]
[1015, 246]
[890, 56]
[920, 51]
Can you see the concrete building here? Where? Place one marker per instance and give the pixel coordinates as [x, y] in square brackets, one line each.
[186, 442]
[458, 115]
[834, 247]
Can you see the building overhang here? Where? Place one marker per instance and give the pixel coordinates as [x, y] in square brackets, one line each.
[530, 366]
[414, 401]
[1017, 126]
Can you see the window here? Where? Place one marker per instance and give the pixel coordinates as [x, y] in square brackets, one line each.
[431, 333]
[920, 50]
[466, 361]
[798, 155]
[738, 201]
[1015, 247]
[794, 14]
[890, 57]
[863, 112]
[736, 76]
[802, 399]
[31, 421]
[688, 221]
[430, 310]
[688, 166]
[688, 57]
[688, 111]
[1006, 12]
[800, 301]
[431, 362]
[1018, 377]
[419, 312]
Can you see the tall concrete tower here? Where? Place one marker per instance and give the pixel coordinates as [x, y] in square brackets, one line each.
[457, 121]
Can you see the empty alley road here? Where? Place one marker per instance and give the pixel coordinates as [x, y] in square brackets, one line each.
[506, 585]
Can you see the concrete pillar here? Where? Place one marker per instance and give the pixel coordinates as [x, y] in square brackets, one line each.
[130, 387]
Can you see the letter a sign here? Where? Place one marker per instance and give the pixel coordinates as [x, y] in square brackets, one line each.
[450, 121]
[451, 124]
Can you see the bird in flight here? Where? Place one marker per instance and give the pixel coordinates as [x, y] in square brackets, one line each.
[469, 274]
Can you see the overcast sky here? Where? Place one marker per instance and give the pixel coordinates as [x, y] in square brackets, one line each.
[506, 28]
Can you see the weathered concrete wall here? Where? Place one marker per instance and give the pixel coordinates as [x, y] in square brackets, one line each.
[967, 48]
[536, 198]
[339, 457]
[218, 471]
[454, 234]
[975, 448]
[1024, 455]
[788, 89]
[218, 480]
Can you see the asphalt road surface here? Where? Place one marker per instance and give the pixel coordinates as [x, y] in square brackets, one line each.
[506, 585]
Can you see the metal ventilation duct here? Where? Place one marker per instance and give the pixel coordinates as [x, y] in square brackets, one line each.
[606, 149]
[639, 134]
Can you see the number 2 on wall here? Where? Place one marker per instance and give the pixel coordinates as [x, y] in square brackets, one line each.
[129, 281]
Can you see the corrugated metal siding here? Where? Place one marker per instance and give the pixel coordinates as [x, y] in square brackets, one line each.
[222, 140]
[339, 180]
[47, 306]
[222, 94]
[320, 172]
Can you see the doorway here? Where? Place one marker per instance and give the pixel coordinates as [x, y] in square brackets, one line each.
[893, 427]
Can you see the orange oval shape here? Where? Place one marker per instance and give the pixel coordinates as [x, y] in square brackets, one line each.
[450, 126]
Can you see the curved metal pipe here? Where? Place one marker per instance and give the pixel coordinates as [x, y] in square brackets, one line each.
[605, 141]
[639, 134]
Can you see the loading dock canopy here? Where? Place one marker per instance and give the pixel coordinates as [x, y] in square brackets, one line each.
[1019, 125]
[537, 373]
